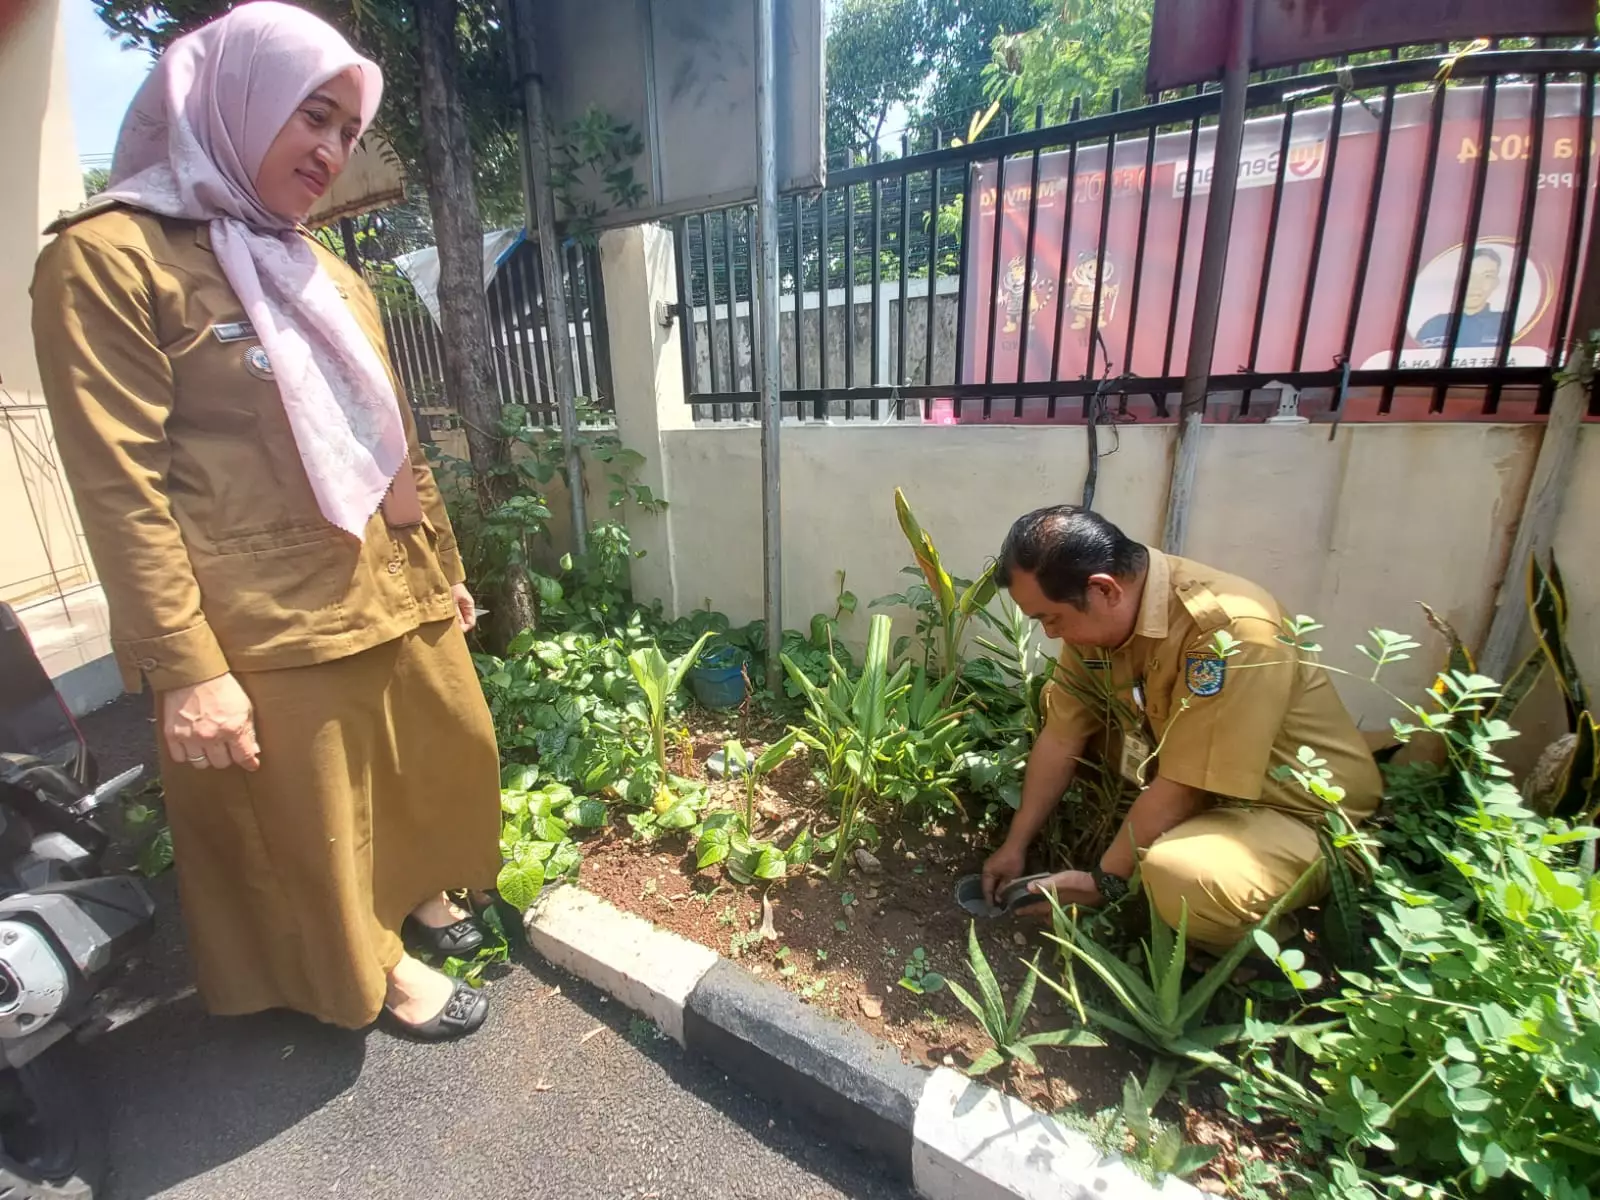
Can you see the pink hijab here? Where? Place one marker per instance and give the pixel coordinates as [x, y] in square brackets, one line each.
[190, 147]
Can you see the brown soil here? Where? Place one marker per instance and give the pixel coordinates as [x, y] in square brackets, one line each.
[843, 946]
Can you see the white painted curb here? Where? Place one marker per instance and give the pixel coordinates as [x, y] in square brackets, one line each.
[650, 970]
[973, 1143]
[969, 1142]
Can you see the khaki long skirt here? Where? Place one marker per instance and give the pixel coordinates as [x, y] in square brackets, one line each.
[378, 787]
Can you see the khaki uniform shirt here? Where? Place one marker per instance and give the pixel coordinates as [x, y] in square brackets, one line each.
[1220, 724]
[209, 543]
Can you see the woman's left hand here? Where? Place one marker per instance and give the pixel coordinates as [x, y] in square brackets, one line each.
[466, 606]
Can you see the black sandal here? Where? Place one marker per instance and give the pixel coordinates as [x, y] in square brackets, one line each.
[1011, 899]
[462, 1014]
[457, 940]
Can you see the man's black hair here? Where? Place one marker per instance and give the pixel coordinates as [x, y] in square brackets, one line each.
[1062, 546]
[1489, 254]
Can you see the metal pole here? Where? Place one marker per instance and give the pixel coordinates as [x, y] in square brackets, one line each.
[768, 363]
[539, 215]
[1208, 289]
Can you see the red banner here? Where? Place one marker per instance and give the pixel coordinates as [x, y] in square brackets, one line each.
[1135, 289]
[1189, 38]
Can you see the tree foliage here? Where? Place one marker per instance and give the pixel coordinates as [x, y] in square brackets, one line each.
[925, 56]
[385, 30]
[1079, 48]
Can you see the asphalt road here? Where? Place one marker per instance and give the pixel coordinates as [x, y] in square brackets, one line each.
[562, 1094]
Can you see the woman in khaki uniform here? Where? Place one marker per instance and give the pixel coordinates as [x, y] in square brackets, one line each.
[276, 556]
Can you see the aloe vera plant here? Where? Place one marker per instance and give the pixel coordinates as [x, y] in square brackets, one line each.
[1002, 1027]
[1158, 1011]
[660, 681]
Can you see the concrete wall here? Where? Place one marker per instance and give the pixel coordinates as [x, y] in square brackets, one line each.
[1354, 530]
[811, 319]
[42, 552]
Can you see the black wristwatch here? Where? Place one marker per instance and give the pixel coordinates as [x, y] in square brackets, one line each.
[1111, 887]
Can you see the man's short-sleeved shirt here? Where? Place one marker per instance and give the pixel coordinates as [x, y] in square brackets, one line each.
[1222, 723]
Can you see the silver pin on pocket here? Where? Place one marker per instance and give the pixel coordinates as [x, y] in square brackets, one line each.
[232, 331]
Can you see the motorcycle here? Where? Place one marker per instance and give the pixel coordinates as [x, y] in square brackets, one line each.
[66, 927]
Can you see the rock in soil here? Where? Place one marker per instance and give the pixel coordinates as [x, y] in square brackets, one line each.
[868, 863]
[871, 1006]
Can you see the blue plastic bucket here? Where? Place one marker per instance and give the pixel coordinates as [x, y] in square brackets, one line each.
[717, 680]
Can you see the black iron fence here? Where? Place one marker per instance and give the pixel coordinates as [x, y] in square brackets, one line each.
[1402, 248]
[519, 338]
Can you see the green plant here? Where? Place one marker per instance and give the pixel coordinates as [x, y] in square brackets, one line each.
[144, 819]
[595, 153]
[569, 702]
[1004, 1028]
[812, 653]
[848, 725]
[921, 761]
[739, 943]
[755, 769]
[660, 681]
[534, 841]
[1158, 1011]
[918, 976]
[501, 517]
[943, 613]
[496, 949]
[1155, 1148]
[728, 837]
[1468, 1056]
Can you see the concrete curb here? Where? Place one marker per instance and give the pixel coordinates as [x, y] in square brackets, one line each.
[951, 1137]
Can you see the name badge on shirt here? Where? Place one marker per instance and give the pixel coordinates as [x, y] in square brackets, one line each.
[1136, 753]
[233, 331]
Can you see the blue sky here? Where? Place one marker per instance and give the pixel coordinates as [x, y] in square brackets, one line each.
[103, 78]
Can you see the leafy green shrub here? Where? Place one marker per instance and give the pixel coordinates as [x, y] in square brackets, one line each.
[921, 762]
[569, 703]
[1469, 1055]
[1466, 1059]
[534, 841]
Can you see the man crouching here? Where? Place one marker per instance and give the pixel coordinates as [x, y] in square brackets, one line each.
[1212, 827]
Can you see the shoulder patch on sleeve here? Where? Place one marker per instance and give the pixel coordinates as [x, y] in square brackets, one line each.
[82, 213]
[1204, 672]
[1203, 606]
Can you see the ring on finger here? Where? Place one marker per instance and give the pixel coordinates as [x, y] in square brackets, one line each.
[196, 759]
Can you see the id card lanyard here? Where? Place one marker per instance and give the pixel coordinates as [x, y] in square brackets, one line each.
[1136, 744]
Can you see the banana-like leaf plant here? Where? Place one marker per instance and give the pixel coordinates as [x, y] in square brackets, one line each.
[660, 681]
[956, 610]
[849, 723]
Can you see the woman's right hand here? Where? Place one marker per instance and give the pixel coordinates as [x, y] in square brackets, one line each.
[211, 724]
